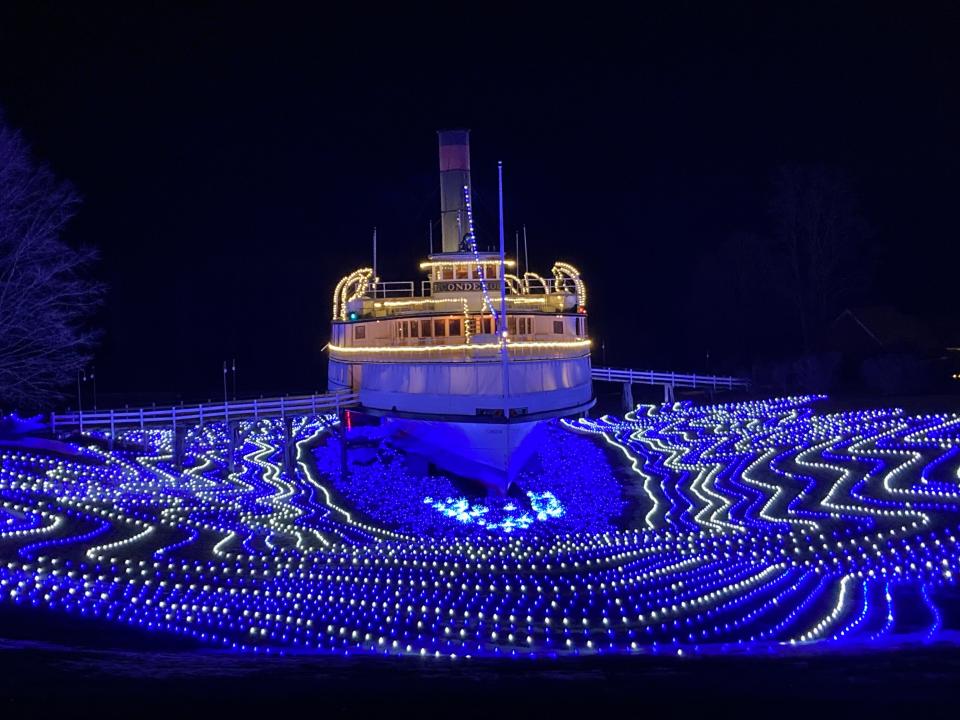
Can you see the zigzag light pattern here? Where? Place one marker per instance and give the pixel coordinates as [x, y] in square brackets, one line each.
[745, 525]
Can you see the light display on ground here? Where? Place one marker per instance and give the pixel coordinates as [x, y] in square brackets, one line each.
[747, 525]
[543, 506]
[575, 491]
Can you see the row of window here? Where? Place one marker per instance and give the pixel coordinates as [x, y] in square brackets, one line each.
[465, 272]
[453, 327]
[431, 327]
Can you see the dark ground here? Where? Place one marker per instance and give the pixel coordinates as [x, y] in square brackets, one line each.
[53, 665]
[40, 681]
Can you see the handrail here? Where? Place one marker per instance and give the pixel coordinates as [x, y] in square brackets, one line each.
[312, 404]
[205, 412]
[652, 377]
[392, 288]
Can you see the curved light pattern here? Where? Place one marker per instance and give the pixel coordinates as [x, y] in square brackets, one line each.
[514, 284]
[531, 277]
[562, 270]
[758, 524]
[351, 287]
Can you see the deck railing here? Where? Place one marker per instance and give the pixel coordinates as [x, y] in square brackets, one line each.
[205, 412]
[392, 289]
[331, 402]
[531, 287]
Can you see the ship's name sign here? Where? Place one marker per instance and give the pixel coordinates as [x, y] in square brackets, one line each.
[463, 285]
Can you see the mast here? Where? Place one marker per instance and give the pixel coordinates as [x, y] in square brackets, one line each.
[502, 315]
[526, 260]
[517, 238]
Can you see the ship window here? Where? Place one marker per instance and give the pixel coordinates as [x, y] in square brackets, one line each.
[359, 332]
[488, 325]
[581, 326]
[520, 326]
[448, 273]
[490, 271]
[426, 328]
[439, 328]
[471, 326]
[414, 329]
[461, 271]
[454, 327]
[558, 327]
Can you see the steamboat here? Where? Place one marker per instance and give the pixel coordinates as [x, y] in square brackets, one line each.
[468, 362]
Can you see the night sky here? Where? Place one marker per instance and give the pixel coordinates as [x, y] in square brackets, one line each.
[234, 162]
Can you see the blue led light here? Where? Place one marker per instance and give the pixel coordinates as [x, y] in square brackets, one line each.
[677, 528]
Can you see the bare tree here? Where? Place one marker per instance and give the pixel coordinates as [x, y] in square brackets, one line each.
[819, 239]
[45, 297]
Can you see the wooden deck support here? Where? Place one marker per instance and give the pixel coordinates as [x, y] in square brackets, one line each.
[179, 445]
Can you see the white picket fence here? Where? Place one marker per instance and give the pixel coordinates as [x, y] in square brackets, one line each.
[331, 402]
[672, 379]
[205, 412]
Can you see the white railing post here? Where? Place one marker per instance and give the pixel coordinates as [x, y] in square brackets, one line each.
[651, 377]
[113, 432]
[141, 419]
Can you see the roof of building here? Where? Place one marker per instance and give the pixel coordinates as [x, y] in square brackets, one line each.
[882, 326]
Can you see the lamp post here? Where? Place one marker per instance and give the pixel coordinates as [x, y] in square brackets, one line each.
[80, 374]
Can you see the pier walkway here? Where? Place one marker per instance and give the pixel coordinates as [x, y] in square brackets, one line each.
[184, 415]
[669, 381]
[282, 407]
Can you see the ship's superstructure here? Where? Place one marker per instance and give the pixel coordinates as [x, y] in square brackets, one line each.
[438, 359]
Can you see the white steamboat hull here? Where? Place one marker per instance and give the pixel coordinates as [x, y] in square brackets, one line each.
[492, 453]
[456, 415]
